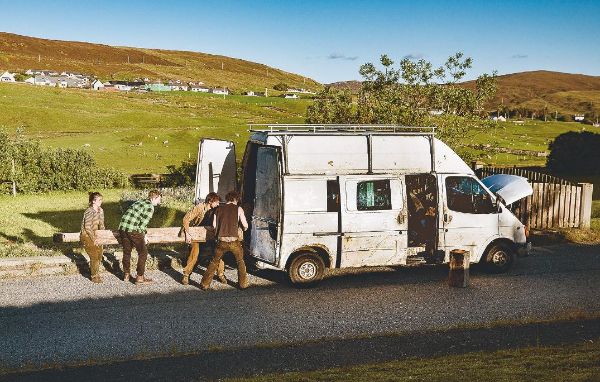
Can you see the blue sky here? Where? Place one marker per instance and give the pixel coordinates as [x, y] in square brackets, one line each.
[329, 40]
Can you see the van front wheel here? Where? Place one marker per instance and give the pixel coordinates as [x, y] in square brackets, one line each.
[499, 258]
[307, 269]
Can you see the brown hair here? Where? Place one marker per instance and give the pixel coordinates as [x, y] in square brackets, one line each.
[153, 194]
[93, 196]
[232, 196]
[212, 197]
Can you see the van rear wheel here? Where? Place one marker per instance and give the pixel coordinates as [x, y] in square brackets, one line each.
[499, 258]
[307, 269]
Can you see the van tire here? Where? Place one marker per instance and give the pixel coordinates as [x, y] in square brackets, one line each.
[306, 269]
[499, 258]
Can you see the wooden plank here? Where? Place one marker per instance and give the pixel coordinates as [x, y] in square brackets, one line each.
[577, 206]
[154, 235]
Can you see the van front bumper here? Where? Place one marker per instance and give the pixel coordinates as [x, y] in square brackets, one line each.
[523, 249]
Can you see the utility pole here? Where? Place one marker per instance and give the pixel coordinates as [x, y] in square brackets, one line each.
[128, 59]
[39, 58]
[222, 65]
[14, 183]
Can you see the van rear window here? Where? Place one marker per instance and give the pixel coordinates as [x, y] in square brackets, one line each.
[373, 195]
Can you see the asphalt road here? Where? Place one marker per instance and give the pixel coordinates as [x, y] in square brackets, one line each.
[61, 320]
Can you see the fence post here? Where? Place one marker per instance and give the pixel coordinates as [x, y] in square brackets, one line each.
[585, 210]
[14, 183]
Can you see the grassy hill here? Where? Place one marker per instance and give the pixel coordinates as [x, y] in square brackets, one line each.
[565, 93]
[19, 53]
[137, 132]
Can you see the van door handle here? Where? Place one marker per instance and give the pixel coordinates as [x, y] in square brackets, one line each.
[447, 218]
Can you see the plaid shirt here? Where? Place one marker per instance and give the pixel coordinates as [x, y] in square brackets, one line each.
[137, 217]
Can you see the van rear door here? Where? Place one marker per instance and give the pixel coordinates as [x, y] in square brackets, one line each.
[216, 168]
[265, 225]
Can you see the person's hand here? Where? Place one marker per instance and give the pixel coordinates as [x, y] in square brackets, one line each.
[188, 239]
[146, 239]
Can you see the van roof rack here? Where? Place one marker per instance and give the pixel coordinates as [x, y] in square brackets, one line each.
[340, 129]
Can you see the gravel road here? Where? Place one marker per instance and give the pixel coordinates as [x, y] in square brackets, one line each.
[67, 319]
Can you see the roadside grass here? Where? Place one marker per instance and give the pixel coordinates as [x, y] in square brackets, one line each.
[557, 363]
[27, 222]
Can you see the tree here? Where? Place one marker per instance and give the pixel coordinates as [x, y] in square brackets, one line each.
[282, 86]
[575, 153]
[406, 95]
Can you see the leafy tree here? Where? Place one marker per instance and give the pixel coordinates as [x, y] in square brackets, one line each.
[331, 106]
[575, 153]
[282, 86]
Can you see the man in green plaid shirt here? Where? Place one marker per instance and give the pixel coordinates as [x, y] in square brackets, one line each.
[132, 231]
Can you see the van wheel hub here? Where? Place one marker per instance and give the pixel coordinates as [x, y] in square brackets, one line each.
[307, 270]
[500, 258]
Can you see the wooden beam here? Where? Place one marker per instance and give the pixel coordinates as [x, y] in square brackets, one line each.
[154, 235]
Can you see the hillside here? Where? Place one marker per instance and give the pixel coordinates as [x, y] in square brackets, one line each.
[564, 93]
[19, 53]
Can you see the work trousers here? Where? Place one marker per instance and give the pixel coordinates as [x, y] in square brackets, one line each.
[131, 240]
[193, 259]
[94, 252]
[235, 247]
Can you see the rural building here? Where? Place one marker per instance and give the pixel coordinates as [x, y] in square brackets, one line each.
[158, 87]
[249, 93]
[127, 85]
[7, 77]
[579, 117]
[199, 89]
[179, 87]
[39, 81]
[97, 85]
[221, 91]
[290, 96]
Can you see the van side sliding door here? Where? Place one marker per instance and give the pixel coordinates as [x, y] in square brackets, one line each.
[265, 224]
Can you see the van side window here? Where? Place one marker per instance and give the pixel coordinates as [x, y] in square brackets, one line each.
[373, 195]
[465, 194]
[333, 196]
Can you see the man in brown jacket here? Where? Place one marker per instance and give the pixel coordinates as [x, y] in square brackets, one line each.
[195, 217]
[226, 222]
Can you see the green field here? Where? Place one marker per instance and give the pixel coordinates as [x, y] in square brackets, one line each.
[138, 133]
[558, 363]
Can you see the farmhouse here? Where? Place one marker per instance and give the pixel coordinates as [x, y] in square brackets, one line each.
[97, 85]
[221, 91]
[127, 85]
[39, 81]
[7, 77]
[290, 95]
[179, 87]
[158, 87]
[199, 88]
[579, 117]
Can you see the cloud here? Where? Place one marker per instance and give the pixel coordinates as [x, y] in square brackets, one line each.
[519, 56]
[413, 56]
[338, 56]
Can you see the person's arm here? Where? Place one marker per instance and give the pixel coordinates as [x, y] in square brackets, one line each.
[214, 224]
[88, 223]
[101, 225]
[145, 216]
[242, 218]
[195, 213]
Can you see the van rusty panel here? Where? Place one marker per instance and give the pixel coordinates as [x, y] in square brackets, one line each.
[292, 242]
[369, 249]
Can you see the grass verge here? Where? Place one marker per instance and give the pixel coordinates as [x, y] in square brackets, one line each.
[558, 363]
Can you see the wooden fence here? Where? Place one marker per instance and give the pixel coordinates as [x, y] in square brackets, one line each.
[148, 180]
[555, 202]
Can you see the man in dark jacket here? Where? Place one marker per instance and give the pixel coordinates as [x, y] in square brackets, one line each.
[226, 222]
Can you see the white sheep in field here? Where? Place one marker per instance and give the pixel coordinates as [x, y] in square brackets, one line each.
[165, 142]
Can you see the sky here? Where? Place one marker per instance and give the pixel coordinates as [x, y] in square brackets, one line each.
[329, 40]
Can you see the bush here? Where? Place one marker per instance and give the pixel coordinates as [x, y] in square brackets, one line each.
[281, 87]
[41, 170]
[182, 175]
[575, 153]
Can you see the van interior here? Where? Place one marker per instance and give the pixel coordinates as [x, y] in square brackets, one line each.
[422, 200]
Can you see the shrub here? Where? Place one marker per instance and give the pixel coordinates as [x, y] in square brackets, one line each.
[281, 87]
[575, 153]
[41, 170]
[182, 175]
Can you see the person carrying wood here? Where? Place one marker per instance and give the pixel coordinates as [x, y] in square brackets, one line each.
[226, 222]
[93, 220]
[132, 232]
[199, 216]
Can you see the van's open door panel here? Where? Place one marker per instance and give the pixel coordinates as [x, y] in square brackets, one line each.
[265, 223]
[216, 171]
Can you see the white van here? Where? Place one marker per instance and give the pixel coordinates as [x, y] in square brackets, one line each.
[339, 196]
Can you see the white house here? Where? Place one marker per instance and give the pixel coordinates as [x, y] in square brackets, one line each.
[97, 85]
[39, 81]
[290, 96]
[579, 117]
[249, 93]
[199, 89]
[221, 91]
[179, 87]
[7, 77]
